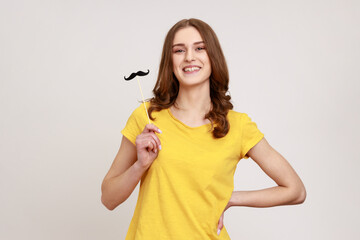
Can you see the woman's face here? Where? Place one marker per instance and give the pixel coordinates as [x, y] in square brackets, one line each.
[191, 64]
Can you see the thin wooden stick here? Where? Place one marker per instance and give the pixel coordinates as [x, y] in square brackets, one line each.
[147, 114]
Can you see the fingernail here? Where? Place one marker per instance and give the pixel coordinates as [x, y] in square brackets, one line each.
[159, 131]
[218, 232]
[160, 147]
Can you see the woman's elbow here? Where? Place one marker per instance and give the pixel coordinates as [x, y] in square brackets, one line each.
[105, 197]
[300, 195]
[107, 203]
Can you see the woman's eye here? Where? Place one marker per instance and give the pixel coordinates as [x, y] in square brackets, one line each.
[200, 48]
[178, 50]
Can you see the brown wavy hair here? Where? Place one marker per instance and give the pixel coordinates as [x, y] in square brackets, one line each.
[167, 86]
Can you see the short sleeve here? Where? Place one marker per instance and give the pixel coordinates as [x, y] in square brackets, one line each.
[250, 135]
[135, 124]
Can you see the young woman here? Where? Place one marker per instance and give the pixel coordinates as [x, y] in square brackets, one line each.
[186, 168]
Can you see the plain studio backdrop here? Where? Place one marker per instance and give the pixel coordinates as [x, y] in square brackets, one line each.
[294, 68]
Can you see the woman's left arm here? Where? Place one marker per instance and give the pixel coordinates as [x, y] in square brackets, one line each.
[290, 189]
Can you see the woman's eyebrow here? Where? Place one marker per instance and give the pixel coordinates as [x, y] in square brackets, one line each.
[182, 44]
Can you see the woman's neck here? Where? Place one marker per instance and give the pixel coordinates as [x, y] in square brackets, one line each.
[193, 101]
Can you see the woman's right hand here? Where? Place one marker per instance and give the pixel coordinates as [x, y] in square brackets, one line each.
[147, 145]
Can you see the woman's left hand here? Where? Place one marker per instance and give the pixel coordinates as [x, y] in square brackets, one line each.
[221, 220]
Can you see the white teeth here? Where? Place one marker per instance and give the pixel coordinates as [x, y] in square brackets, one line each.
[191, 69]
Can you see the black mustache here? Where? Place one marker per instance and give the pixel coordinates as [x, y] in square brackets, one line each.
[139, 73]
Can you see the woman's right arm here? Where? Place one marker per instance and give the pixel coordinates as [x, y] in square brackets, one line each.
[128, 167]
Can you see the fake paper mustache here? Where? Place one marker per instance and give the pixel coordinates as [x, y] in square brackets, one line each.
[139, 73]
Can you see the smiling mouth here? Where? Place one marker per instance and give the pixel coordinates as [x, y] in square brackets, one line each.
[191, 69]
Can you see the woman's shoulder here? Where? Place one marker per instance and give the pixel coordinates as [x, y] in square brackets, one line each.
[235, 115]
[239, 117]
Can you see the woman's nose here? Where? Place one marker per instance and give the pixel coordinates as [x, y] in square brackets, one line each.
[189, 56]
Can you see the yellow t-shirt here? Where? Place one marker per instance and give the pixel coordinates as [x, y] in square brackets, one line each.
[184, 192]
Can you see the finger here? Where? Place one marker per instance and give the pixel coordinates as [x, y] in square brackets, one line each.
[151, 128]
[221, 222]
[150, 144]
[143, 139]
[152, 136]
[144, 143]
[156, 139]
[154, 148]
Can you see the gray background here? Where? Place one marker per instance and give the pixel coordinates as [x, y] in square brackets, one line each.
[294, 68]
